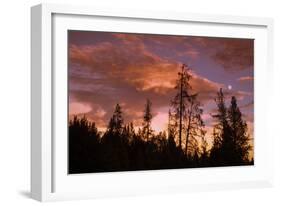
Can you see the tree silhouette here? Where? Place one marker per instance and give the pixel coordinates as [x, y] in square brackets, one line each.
[187, 113]
[239, 132]
[195, 126]
[180, 101]
[129, 132]
[223, 149]
[204, 156]
[231, 141]
[115, 144]
[172, 127]
[84, 140]
[121, 148]
[147, 117]
[116, 121]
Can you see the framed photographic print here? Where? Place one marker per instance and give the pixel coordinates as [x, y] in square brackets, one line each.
[135, 102]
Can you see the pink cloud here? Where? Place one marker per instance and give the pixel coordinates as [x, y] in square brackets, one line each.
[76, 108]
[105, 74]
[127, 72]
[246, 79]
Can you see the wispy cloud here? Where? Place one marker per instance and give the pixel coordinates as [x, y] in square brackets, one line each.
[105, 74]
[246, 79]
[128, 69]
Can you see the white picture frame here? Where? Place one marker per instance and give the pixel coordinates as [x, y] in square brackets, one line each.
[49, 178]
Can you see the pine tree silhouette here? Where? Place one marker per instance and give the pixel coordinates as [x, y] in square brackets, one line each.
[239, 132]
[195, 126]
[84, 146]
[231, 141]
[147, 117]
[180, 101]
[116, 121]
[223, 146]
[186, 114]
[115, 144]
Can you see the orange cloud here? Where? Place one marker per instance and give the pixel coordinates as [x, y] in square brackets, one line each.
[245, 79]
[105, 74]
[135, 66]
[127, 72]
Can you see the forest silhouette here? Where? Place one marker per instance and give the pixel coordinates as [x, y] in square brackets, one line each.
[182, 145]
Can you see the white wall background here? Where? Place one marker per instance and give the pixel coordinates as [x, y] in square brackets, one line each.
[15, 101]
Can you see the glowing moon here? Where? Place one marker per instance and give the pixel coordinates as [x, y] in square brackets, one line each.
[229, 87]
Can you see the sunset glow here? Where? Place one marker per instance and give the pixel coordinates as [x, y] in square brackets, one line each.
[109, 68]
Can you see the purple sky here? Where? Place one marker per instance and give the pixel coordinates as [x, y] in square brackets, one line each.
[108, 68]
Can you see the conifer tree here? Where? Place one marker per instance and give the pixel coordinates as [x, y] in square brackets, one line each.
[116, 121]
[147, 117]
[238, 132]
[180, 101]
[195, 126]
[224, 148]
[187, 113]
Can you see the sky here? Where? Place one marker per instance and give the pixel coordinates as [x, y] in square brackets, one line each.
[106, 68]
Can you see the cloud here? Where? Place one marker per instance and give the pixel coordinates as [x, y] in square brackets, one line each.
[77, 108]
[192, 53]
[160, 121]
[206, 89]
[236, 54]
[132, 63]
[246, 79]
[248, 105]
[232, 54]
[126, 72]
[181, 46]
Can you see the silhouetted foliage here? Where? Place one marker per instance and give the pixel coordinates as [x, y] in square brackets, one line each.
[185, 120]
[147, 117]
[195, 126]
[239, 132]
[84, 145]
[121, 148]
[231, 141]
[180, 102]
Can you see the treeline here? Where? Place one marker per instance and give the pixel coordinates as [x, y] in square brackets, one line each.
[184, 145]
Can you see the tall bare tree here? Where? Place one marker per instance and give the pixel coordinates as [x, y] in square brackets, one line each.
[195, 125]
[171, 126]
[187, 112]
[180, 101]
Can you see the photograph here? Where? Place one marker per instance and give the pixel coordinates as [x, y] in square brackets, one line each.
[141, 102]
